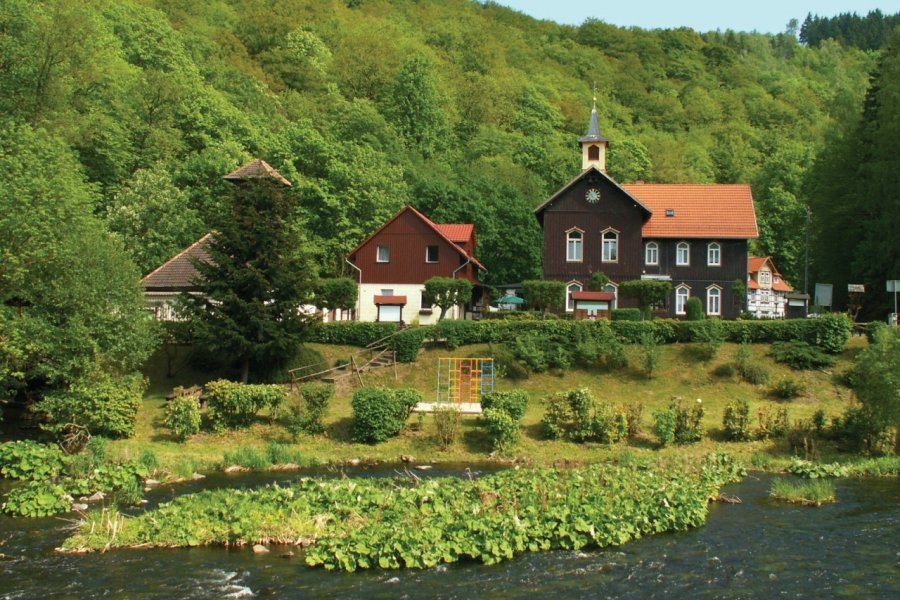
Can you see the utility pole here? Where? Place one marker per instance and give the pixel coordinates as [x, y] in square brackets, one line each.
[806, 250]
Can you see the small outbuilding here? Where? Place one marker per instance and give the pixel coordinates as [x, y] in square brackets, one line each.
[593, 305]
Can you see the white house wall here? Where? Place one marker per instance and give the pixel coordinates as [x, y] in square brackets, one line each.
[411, 311]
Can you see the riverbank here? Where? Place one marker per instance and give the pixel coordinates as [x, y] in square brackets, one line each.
[681, 375]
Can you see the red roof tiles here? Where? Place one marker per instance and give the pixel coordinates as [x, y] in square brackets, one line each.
[698, 211]
[459, 233]
[755, 264]
[390, 300]
[593, 296]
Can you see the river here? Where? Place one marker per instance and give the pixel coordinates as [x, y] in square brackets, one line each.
[759, 548]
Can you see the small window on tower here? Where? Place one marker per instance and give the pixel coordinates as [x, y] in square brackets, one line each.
[431, 254]
[593, 152]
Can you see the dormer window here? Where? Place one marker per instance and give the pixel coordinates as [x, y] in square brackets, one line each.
[765, 277]
[610, 245]
[683, 254]
[574, 245]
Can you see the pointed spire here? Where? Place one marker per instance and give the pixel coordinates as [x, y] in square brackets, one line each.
[593, 133]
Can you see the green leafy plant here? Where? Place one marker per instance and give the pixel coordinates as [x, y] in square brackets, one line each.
[36, 499]
[693, 309]
[736, 421]
[514, 403]
[772, 424]
[183, 417]
[800, 355]
[381, 413]
[309, 417]
[788, 388]
[651, 353]
[30, 460]
[679, 423]
[234, 405]
[447, 424]
[408, 342]
[502, 428]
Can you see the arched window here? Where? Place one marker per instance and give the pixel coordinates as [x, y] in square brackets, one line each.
[682, 293]
[713, 300]
[610, 246]
[571, 289]
[683, 254]
[611, 287]
[651, 253]
[713, 254]
[574, 245]
[593, 152]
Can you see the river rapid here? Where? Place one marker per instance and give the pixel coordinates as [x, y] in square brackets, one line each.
[759, 548]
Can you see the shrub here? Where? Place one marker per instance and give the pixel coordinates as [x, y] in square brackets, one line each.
[693, 309]
[712, 335]
[514, 403]
[626, 314]
[502, 428]
[506, 365]
[772, 424]
[857, 431]
[634, 413]
[543, 295]
[679, 423]
[102, 404]
[802, 438]
[652, 353]
[736, 421]
[725, 371]
[351, 333]
[576, 416]
[309, 417]
[447, 422]
[755, 374]
[531, 353]
[788, 388]
[834, 331]
[408, 342]
[873, 328]
[800, 355]
[183, 417]
[27, 459]
[381, 413]
[233, 405]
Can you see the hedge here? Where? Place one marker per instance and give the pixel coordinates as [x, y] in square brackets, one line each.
[351, 333]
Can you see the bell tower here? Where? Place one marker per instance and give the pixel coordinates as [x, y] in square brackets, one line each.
[593, 144]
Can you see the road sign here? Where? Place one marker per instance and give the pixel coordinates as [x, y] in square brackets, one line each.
[823, 294]
[893, 285]
[856, 287]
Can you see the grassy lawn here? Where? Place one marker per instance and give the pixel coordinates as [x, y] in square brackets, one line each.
[682, 374]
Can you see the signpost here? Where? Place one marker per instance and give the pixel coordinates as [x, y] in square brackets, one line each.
[823, 295]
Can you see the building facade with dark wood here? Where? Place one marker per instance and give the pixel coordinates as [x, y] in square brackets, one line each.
[400, 256]
[694, 236]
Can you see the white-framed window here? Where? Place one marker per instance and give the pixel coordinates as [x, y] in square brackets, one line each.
[651, 253]
[574, 245]
[431, 254]
[765, 277]
[714, 254]
[682, 254]
[571, 288]
[610, 245]
[387, 293]
[682, 293]
[383, 254]
[611, 287]
[713, 300]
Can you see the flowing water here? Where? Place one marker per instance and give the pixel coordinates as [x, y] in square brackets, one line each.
[760, 548]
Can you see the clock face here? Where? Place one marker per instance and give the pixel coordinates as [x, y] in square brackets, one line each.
[592, 195]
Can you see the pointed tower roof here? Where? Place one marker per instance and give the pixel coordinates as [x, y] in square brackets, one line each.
[256, 169]
[593, 133]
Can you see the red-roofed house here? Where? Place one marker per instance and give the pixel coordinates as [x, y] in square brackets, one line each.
[394, 263]
[695, 236]
[766, 289]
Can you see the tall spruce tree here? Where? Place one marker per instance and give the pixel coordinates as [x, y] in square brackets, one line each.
[258, 276]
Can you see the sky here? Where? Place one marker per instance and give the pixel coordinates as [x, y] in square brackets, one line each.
[764, 16]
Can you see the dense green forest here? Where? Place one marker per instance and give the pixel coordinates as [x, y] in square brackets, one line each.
[119, 119]
[868, 33]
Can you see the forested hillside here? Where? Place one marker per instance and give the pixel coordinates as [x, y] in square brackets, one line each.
[469, 111]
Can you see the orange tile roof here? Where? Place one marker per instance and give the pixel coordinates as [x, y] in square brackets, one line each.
[756, 263]
[700, 211]
[457, 232]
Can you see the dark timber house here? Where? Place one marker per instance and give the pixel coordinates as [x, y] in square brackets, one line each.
[694, 236]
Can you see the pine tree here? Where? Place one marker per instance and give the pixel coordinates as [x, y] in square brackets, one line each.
[259, 275]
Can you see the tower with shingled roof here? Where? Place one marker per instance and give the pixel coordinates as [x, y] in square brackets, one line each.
[593, 144]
